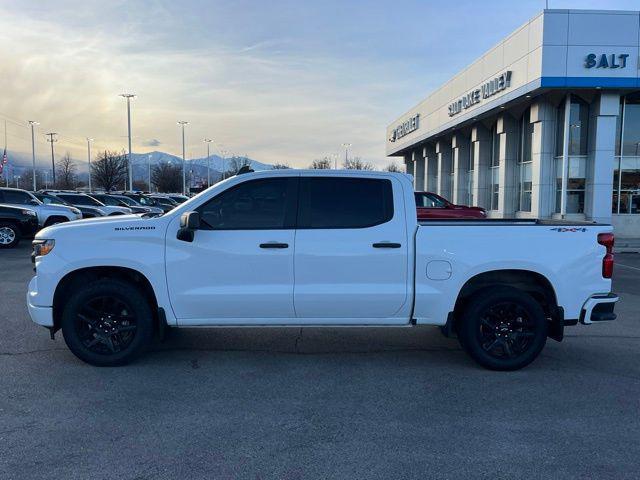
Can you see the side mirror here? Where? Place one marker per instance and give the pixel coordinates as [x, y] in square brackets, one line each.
[189, 223]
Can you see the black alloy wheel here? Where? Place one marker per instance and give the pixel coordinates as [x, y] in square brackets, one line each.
[107, 322]
[503, 328]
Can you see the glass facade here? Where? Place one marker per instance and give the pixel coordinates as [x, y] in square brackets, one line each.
[574, 169]
[626, 175]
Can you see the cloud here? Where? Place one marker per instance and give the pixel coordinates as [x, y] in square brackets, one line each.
[153, 142]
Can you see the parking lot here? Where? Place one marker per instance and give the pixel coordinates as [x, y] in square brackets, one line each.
[318, 403]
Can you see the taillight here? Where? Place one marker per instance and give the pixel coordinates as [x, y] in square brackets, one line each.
[607, 240]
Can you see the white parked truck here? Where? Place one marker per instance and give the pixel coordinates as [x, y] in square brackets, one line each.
[318, 248]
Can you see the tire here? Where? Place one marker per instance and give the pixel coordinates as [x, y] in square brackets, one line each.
[503, 328]
[107, 323]
[55, 220]
[9, 235]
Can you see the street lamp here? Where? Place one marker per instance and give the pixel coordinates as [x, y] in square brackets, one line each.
[182, 123]
[346, 150]
[208, 142]
[149, 170]
[224, 155]
[129, 96]
[89, 140]
[33, 152]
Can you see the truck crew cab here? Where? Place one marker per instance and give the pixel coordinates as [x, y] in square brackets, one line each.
[318, 248]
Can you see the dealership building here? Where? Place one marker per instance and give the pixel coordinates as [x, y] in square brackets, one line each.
[546, 124]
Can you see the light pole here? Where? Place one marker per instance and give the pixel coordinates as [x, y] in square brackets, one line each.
[346, 151]
[224, 155]
[129, 96]
[52, 140]
[149, 170]
[17, 180]
[89, 140]
[33, 152]
[208, 142]
[182, 123]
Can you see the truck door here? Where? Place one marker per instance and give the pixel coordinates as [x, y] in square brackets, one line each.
[239, 267]
[351, 257]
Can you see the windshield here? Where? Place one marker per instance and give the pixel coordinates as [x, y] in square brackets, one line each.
[81, 200]
[108, 200]
[129, 201]
[429, 200]
[49, 199]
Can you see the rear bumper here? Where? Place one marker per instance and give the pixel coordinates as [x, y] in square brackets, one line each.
[599, 308]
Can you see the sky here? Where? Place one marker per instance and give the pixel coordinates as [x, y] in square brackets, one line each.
[278, 81]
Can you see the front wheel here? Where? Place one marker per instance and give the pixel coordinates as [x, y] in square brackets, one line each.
[503, 328]
[9, 235]
[107, 322]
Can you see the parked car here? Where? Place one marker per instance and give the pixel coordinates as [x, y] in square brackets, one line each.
[47, 214]
[177, 197]
[16, 223]
[164, 200]
[430, 205]
[146, 200]
[87, 212]
[129, 202]
[319, 248]
[77, 199]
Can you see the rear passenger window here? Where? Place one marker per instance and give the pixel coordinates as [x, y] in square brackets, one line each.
[16, 197]
[334, 202]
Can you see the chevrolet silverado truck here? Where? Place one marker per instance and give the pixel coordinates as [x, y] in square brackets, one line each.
[318, 248]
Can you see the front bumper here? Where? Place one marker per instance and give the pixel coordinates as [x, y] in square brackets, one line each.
[40, 315]
[599, 308]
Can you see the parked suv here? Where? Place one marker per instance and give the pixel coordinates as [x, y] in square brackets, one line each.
[122, 201]
[87, 212]
[77, 199]
[429, 205]
[47, 214]
[15, 223]
[146, 201]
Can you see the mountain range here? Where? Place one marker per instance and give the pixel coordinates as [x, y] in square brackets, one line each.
[19, 163]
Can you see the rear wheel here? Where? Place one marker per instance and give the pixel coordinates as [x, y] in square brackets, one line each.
[503, 328]
[107, 323]
[9, 235]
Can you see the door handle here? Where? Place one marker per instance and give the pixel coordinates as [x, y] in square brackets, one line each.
[274, 245]
[386, 245]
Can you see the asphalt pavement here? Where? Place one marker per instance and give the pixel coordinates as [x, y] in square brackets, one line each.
[338, 403]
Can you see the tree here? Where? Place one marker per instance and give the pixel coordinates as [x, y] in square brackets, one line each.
[356, 163]
[392, 167]
[66, 177]
[323, 164]
[109, 171]
[140, 185]
[280, 166]
[167, 177]
[26, 179]
[235, 164]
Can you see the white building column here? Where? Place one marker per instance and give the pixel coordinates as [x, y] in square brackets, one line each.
[507, 129]
[460, 150]
[410, 166]
[600, 163]
[431, 168]
[418, 161]
[481, 144]
[543, 118]
[443, 150]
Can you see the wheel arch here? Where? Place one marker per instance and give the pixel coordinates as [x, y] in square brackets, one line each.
[85, 275]
[529, 281]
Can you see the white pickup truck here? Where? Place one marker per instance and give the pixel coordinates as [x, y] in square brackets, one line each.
[318, 248]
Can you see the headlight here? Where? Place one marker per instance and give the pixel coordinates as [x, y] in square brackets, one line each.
[42, 247]
[29, 212]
